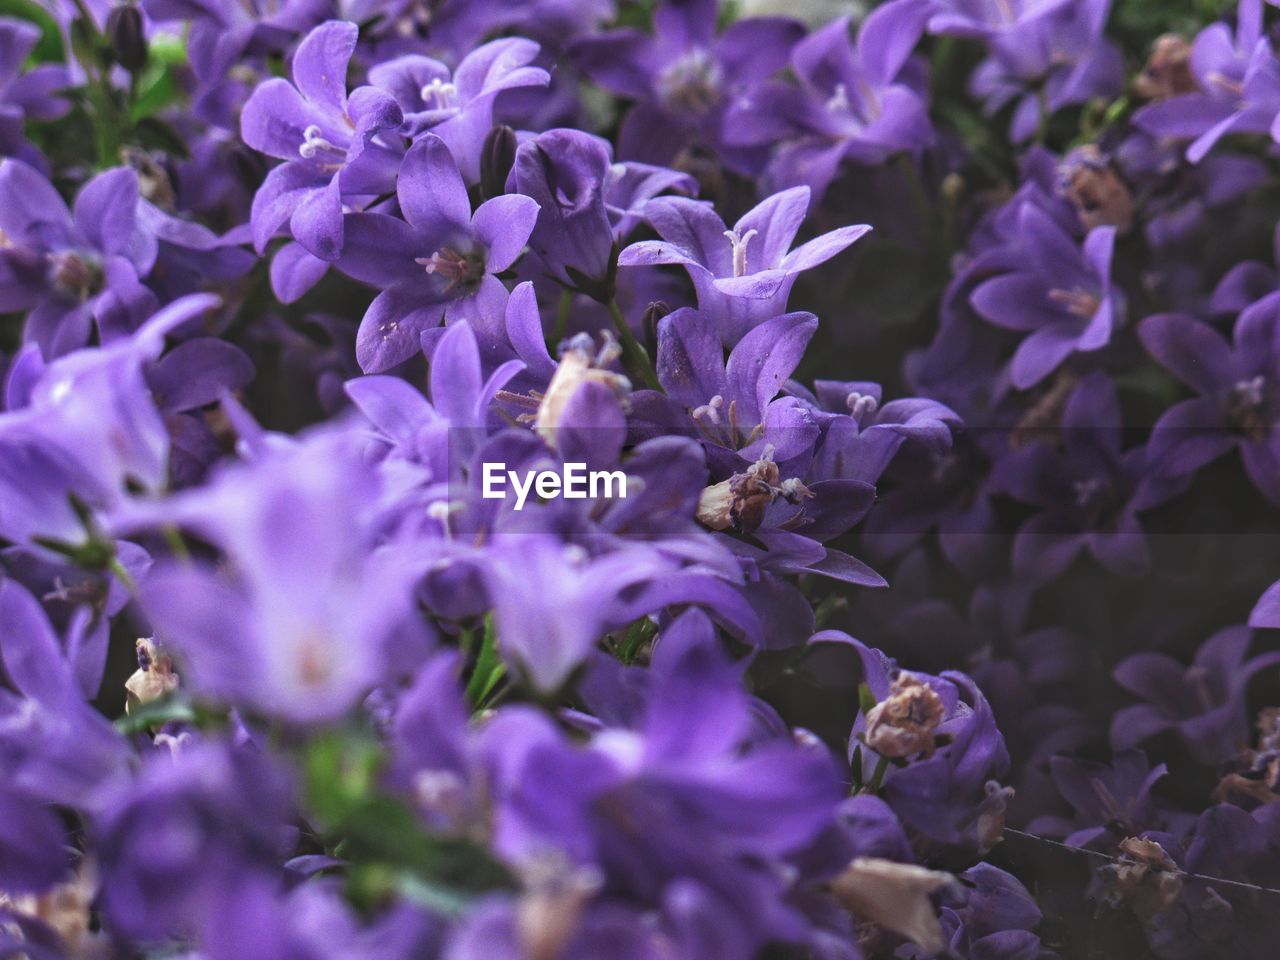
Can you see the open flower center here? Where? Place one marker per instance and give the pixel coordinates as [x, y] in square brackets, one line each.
[692, 83]
[1079, 303]
[739, 245]
[460, 270]
[1247, 408]
[74, 274]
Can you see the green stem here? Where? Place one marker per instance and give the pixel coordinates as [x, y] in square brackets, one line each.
[634, 357]
[877, 777]
[919, 198]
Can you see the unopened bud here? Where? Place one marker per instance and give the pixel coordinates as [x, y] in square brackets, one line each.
[496, 158]
[649, 322]
[128, 42]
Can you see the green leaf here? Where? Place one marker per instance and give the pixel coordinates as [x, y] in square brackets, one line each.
[156, 714]
[49, 49]
[158, 86]
[489, 668]
[866, 699]
[384, 838]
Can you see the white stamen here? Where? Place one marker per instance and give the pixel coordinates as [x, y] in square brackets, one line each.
[438, 94]
[710, 410]
[861, 404]
[1251, 392]
[839, 100]
[740, 249]
[312, 142]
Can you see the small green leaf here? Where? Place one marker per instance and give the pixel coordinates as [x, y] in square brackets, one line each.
[489, 668]
[866, 699]
[156, 714]
[49, 49]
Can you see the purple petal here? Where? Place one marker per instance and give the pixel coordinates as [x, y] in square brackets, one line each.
[823, 248]
[294, 272]
[316, 222]
[1192, 351]
[776, 221]
[764, 359]
[432, 195]
[382, 250]
[391, 331]
[503, 224]
[320, 65]
[1015, 301]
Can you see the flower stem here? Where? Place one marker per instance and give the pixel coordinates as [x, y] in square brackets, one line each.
[634, 356]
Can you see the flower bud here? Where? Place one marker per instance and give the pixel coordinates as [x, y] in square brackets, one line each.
[496, 157]
[128, 43]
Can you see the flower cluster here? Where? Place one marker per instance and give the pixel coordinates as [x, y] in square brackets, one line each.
[935, 352]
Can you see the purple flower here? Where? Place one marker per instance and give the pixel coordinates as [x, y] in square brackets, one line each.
[553, 602]
[1238, 387]
[1062, 53]
[684, 77]
[325, 139]
[1061, 296]
[306, 617]
[56, 747]
[987, 20]
[185, 834]
[26, 94]
[1090, 491]
[1239, 87]
[742, 276]
[223, 33]
[942, 734]
[587, 204]
[440, 259]
[720, 810]
[69, 269]
[862, 103]
[1109, 802]
[1205, 702]
[89, 432]
[458, 107]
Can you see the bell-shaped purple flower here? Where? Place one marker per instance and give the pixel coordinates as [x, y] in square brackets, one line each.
[1061, 296]
[1204, 703]
[862, 102]
[324, 137]
[439, 259]
[458, 107]
[742, 276]
[1238, 387]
